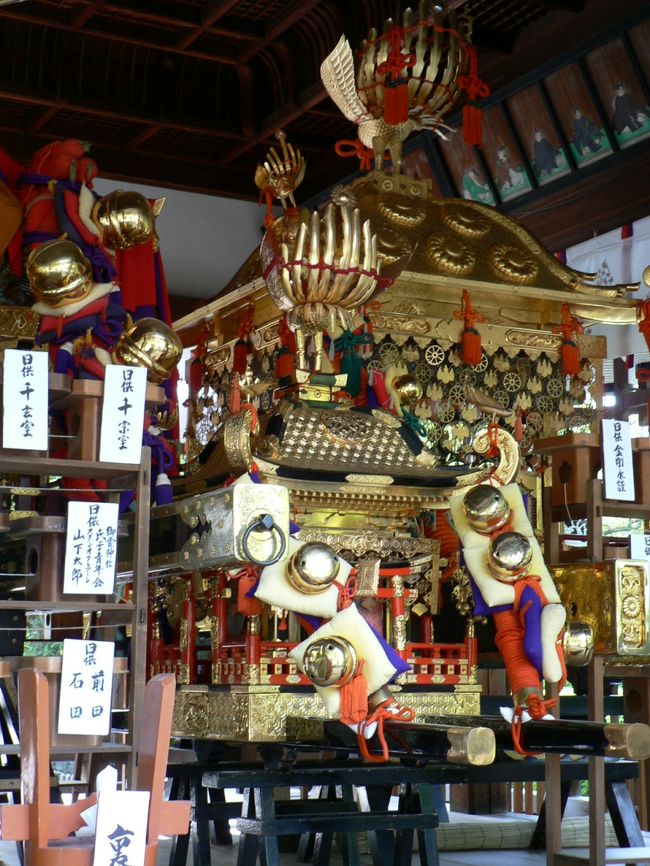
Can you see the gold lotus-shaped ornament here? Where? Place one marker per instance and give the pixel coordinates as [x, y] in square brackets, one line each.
[320, 270]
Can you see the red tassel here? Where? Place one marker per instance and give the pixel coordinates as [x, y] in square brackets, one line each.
[570, 358]
[472, 125]
[196, 375]
[285, 364]
[471, 347]
[570, 352]
[396, 102]
[472, 350]
[240, 357]
[247, 605]
[643, 318]
[354, 699]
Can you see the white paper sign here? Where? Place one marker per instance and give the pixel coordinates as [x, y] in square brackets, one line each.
[86, 686]
[640, 546]
[90, 547]
[122, 414]
[617, 460]
[121, 837]
[25, 400]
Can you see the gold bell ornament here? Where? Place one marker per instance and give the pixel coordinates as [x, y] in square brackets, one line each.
[509, 556]
[486, 508]
[125, 219]
[59, 273]
[313, 568]
[152, 344]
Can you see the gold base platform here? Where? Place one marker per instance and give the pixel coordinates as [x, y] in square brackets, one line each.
[265, 714]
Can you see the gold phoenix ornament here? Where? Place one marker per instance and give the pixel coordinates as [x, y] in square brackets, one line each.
[432, 54]
[320, 271]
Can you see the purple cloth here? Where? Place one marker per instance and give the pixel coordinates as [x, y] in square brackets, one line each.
[532, 625]
[392, 655]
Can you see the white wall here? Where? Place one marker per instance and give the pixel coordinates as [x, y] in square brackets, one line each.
[203, 239]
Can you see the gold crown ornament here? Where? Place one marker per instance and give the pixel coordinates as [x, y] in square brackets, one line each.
[486, 508]
[330, 661]
[125, 218]
[59, 273]
[152, 344]
[313, 568]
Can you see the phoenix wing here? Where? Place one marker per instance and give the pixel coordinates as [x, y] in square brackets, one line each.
[337, 74]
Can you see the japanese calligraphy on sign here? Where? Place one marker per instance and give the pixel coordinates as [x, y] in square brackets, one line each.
[122, 414]
[90, 548]
[640, 547]
[25, 400]
[121, 835]
[617, 461]
[86, 686]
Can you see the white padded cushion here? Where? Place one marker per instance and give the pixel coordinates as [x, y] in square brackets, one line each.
[552, 623]
[349, 624]
[470, 537]
[275, 588]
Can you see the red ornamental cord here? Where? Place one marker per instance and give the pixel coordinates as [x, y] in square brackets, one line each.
[380, 715]
[345, 147]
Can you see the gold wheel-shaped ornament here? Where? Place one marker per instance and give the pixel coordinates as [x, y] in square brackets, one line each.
[512, 382]
[434, 355]
[554, 388]
[446, 412]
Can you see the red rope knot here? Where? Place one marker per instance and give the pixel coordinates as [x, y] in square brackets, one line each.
[537, 709]
[347, 590]
[493, 439]
[396, 61]
[346, 147]
[570, 329]
[471, 83]
[379, 716]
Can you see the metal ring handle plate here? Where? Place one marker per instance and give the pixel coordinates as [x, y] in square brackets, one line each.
[264, 523]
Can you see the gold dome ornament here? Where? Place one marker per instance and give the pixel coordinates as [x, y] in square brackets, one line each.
[152, 344]
[59, 273]
[509, 556]
[313, 568]
[486, 508]
[330, 661]
[125, 219]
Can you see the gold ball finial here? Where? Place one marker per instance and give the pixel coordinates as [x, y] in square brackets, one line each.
[509, 556]
[645, 276]
[486, 508]
[330, 661]
[313, 568]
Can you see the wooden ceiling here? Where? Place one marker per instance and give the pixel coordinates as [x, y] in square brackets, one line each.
[187, 93]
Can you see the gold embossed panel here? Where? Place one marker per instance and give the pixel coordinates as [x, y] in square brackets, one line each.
[613, 598]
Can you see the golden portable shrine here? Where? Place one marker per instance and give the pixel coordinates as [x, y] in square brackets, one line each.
[362, 482]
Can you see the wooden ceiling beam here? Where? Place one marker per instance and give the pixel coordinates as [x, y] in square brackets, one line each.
[212, 12]
[44, 118]
[125, 36]
[175, 171]
[142, 13]
[84, 14]
[144, 135]
[291, 13]
[116, 114]
[279, 119]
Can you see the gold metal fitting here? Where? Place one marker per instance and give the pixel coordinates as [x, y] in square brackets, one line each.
[628, 741]
[125, 219]
[509, 556]
[578, 644]
[330, 661]
[407, 388]
[474, 746]
[152, 344]
[486, 508]
[313, 568]
[521, 697]
[59, 273]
